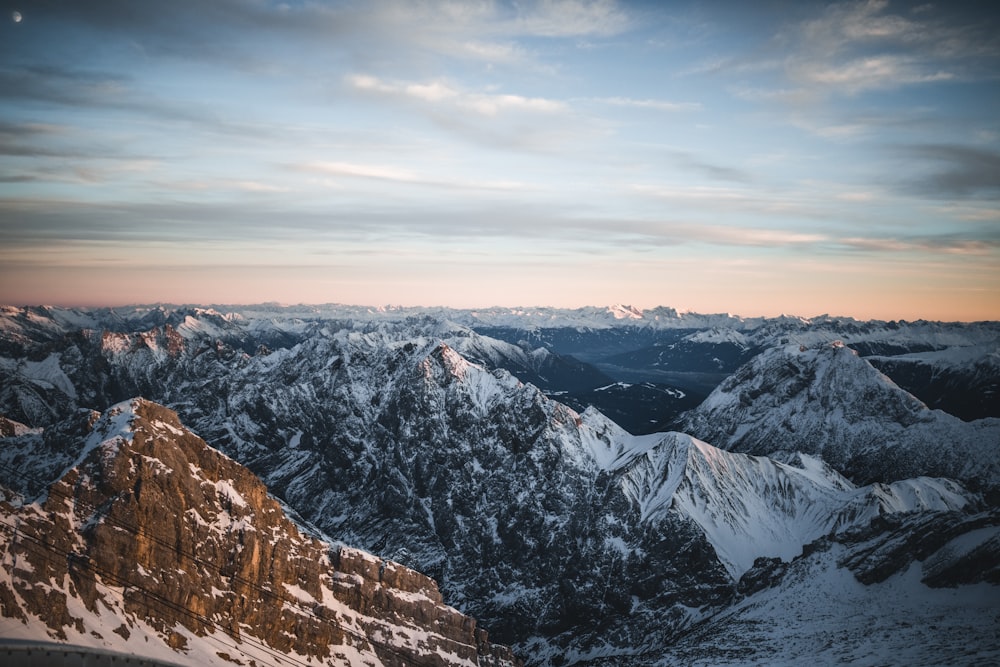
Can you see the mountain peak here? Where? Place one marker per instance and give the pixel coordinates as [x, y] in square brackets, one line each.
[160, 539]
[828, 401]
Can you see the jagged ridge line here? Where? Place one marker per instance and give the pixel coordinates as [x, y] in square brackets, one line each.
[249, 639]
[148, 594]
[295, 602]
[137, 531]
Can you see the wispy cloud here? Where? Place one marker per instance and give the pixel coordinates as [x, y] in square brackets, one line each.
[854, 47]
[756, 237]
[868, 73]
[446, 94]
[400, 175]
[485, 117]
[656, 105]
[951, 171]
[943, 245]
[563, 18]
[735, 199]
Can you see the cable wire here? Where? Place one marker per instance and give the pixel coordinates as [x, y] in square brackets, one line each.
[173, 548]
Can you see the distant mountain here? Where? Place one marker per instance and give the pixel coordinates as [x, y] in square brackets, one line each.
[906, 590]
[962, 380]
[828, 401]
[152, 543]
[566, 352]
[565, 535]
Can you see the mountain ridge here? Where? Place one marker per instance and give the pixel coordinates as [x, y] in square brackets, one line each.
[828, 401]
[202, 556]
[573, 539]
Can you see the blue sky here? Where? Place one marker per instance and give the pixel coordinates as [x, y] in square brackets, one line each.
[790, 157]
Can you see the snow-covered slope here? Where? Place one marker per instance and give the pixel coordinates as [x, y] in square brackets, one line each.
[817, 611]
[561, 532]
[828, 401]
[153, 544]
[963, 380]
[751, 507]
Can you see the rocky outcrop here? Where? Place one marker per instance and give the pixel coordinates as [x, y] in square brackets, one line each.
[565, 535]
[173, 540]
[828, 401]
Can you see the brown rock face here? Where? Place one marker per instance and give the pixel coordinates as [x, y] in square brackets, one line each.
[159, 529]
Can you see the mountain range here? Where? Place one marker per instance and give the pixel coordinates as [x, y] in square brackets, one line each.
[436, 441]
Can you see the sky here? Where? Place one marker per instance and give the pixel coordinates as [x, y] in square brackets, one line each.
[751, 158]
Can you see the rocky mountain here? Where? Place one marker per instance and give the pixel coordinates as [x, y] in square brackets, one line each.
[571, 539]
[905, 590]
[674, 357]
[828, 401]
[962, 380]
[155, 544]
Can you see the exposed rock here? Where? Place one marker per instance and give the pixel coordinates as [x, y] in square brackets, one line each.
[561, 532]
[830, 402]
[155, 527]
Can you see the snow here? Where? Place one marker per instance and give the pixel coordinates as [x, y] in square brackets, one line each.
[168, 427]
[830, 402]
[963, 545]
[751, 506]
[48, 373]
[226, 490]
[717, 335]
[955, 356]
[821, 614]
[622, 385]
[299, 593]
[747, 506]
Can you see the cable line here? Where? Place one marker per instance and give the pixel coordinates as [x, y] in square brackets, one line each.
[165, 602]
[173, 548]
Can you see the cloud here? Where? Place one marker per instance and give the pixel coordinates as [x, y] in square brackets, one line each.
[734, 200]
[444, 94]
[855, 47]
[689, 162]
[869, 73]
[656, 105]
[755, 237]
[391, 174]
[245, 36]
[951, 171]
[82, 89]
[970, 213]
[571, 18]
[491, 119]
[939, 245]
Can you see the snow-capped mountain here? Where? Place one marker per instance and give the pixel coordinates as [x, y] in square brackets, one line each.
[909, 590]
[569, 353]
[151, 543]
[565, 535]
[961, 380]
[753, 507]
[828, 401]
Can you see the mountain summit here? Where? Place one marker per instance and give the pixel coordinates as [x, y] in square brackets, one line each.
[153, 543]
[828, 401]
[575, 541]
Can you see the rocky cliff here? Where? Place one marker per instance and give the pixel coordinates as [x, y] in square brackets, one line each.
[567, 536]
[151, 540]
[828, 401]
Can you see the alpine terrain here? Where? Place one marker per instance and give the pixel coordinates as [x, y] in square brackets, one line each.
[765, 495]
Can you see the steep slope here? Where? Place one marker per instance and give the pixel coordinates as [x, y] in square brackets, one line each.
[570, 538]
[482, 482]
[961, 380]
[828, 401]
[915, 590]
[153, 543]
[752, 507]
